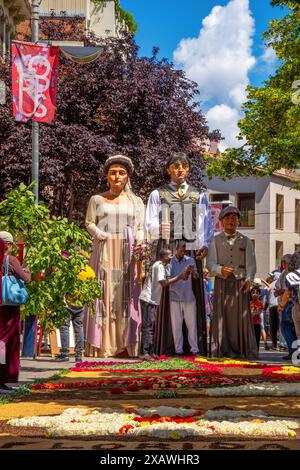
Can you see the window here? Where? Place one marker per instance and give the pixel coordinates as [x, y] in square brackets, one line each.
[253, 241]
[279, 211]
[279, 253]
[297, 216]
[246, 205]
[297, 247]
[219, 197]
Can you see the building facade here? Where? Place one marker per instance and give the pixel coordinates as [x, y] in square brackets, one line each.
[270, 213]
[98, 17]
[12, 12]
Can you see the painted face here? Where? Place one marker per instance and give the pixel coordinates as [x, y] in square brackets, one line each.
[178, 172]
[117, 177]
[230, 223]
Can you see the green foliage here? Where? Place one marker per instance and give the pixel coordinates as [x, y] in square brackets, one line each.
[46, 239]
[271, 126]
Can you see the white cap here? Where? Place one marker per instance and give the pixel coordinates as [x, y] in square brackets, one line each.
[257, 281]
[7, 237]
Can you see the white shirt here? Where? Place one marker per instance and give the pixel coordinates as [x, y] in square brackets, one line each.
[152, 289]
[205, 229]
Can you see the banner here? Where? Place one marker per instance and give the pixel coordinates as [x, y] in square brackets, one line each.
[215, 210]
[34, 81]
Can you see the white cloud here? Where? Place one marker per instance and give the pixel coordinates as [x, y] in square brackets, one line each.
[219, 60]
[269, 56]
[225, 118]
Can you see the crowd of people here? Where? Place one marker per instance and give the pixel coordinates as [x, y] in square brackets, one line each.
[175, 311]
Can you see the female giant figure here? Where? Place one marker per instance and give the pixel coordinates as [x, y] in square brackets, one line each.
[115, 219]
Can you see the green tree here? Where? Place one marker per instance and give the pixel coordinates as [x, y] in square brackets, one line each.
[55, 255]
[271, 125]
[122, 15]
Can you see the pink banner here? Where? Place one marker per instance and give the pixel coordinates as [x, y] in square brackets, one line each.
[215, 210]
[34, 81]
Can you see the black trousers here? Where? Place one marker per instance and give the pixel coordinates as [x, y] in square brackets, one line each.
[274, 325]
[257, 334]
[148, 322]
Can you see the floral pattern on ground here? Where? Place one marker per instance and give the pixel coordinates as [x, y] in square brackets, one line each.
[163, 422]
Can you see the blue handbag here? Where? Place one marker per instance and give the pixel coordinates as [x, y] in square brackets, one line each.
[13, 289]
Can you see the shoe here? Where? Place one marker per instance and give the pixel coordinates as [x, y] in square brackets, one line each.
[179, 354]
[287, 358]
[78, 359]
[6, 389]
[145, 357]
[61, 358]
[266, 346]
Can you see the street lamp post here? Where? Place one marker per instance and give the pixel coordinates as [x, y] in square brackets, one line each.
[30, 324]
[35, 125]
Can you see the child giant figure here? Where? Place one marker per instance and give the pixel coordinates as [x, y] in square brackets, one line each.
[231, 259]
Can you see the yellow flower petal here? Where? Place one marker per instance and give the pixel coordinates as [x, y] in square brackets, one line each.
[175, 436]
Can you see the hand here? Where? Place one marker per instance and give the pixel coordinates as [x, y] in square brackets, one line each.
[226, 272]
[202, 253]
[185, 274]
[105, 236]
[246, 286]
[102, 236]
[165, 230]
[279, 310]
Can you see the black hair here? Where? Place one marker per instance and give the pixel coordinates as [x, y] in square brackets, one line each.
[163, 252]
[180, 243]
[294, 262]
[255, 288]
[178, 157]
[286, 258]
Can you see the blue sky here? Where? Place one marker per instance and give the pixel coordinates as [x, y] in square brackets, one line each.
[174, 27]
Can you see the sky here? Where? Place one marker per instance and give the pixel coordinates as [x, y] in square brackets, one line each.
[218, 43]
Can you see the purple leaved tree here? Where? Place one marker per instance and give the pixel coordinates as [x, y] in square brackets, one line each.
[139, 106]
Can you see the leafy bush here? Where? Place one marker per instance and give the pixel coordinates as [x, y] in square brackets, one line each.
[47, 239]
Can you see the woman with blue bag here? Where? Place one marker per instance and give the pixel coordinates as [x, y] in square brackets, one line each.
[12, 295]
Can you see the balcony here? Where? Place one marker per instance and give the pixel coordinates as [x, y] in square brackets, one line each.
[62, 8]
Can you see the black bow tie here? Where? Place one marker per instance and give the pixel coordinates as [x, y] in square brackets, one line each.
[230, 237]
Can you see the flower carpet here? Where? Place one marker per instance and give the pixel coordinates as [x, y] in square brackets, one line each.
[167, 400]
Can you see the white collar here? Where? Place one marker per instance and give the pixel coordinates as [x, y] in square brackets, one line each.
[174, 185]
[234, 235]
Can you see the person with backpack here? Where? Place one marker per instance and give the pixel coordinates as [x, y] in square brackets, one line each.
[10, 323]
[293, 293]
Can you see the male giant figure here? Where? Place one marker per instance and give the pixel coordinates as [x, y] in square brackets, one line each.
[176, 212]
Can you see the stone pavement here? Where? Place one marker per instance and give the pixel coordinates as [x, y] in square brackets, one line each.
[43, 366]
